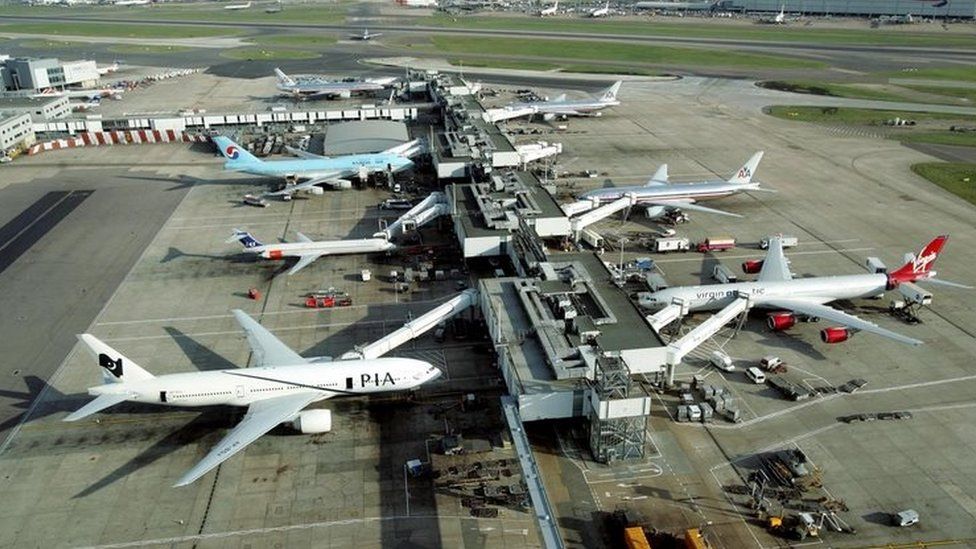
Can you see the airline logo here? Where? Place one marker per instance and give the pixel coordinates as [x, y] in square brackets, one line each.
[113, 366]
[744, 173]
[232, 152]
[921, 263]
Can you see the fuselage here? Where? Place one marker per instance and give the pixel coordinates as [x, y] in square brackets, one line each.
[558, 107]
[327, 247]
[241, 387]
[820, 290]
[323, 167]
[658, 193]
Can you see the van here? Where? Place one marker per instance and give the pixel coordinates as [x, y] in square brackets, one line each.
[721, 361]
[755, 375]
[694, 412]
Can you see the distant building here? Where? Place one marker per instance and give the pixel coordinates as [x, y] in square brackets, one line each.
[962, 9]
[39, 108]
[23, 73]
[15, 130]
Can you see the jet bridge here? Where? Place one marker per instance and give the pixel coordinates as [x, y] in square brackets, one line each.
[415, 328]
[677, 350]
[492, 116]
[426, 211]
[579, 207]
[581, 222]
[531, 152]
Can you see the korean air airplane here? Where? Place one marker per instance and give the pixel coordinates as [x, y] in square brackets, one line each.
[314, 170]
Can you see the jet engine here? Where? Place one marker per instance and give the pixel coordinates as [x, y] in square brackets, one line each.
[778, 322]
[315, 190]
[835, 335]
[313, 421]
[752, 266]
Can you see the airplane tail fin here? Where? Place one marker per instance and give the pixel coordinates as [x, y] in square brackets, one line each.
[234, 153]
[920, 265]
[610, 94]
[117, 368]
[245, 239]
[745, 173]
[284, 78]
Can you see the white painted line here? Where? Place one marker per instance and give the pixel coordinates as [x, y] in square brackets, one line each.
[700, 257]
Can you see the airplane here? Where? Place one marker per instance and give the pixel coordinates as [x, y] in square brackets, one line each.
[235, 7]
[317, 170]
[561, 106]
[776, 289]
[778, 19]
[365, 35]
[102, 71]
[659, 196]
[676, 5]
[308, 250]
[551, 10]
[601, 12]
[314, 87]
[275, 389]
[131, 3]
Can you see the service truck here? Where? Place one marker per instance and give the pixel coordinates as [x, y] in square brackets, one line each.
[672, 244]
[788, 241]
[716, 244]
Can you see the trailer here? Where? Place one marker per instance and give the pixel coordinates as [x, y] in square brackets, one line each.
[716, 244]
[786, 240]
[672, 244]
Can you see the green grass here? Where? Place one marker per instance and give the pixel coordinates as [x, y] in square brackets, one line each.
[294, 40]
[196, 12]
[52, 44]
[138, 48]
[861, 117]
[967, 94]
[265, 54]
[957, 178]
[833, 90]
[712, 30]
[120, 30]
[964, 74]
[543, 66]
[611, 52]
[959, 139]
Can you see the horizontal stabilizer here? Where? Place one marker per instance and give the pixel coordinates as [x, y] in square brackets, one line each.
[97, 405]
[940, 282]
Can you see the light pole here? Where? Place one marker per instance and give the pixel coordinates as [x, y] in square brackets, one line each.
[623, 242]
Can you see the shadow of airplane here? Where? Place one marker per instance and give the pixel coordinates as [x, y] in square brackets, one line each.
[201, 356]
[55, 402]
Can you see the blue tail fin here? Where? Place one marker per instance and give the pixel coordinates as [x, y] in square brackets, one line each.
[234, 153]
[245, 239]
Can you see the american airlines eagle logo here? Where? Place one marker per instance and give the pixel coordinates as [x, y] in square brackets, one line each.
[745, 173]
[232, 152]
[113, 366]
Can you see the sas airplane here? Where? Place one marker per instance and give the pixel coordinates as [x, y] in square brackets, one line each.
[308, 250]
[659, 197]
[317, 170]
[777, 290]
[275, 390]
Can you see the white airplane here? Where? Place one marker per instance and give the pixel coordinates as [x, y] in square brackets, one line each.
[551, 10]
[561, 106]
[776, 289]
[659, 196]
[366, 35]
[314, 87]
[131, 3]
[601, 12]
[235, 7]
[308, 250]
[778, 19]
[114, 93]
[275, 389]
[108, 69]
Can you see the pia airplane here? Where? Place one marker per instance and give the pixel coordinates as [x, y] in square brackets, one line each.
[659, 196]
[601, 12]
[313, 87]
[275, 390]
[315, 170]
[308, 250]
[561, 106]
[551, 10]
[776, 289]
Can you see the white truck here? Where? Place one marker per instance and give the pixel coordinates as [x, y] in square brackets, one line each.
[788, 241]
[671, 244]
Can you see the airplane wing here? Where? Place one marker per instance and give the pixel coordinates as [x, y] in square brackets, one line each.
[659, 178]
[775, 266]
[303, 261]
[97, 405]
[690, 207]
[840, 317]
[261, 417]
[303, 154]
[558, 98]
[303, 238]
[267, 349]
[331, 179]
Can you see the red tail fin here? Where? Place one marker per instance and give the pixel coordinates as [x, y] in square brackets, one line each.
[921, 264]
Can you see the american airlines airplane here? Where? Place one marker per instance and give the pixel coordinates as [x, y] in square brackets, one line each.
[275, 389]
[659, 196]
[318, 170]
[776, 289]
[315, 87]
[561, 106]
[308, 250]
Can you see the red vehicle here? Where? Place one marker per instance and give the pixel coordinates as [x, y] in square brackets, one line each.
[716, 244]
[327, 299]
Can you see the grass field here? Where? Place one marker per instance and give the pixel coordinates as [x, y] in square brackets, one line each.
[961, 139]
[51, 44]
[957, 178]
[713, 30]
[542, 66]
[120, 30]
[614, 52]
[266, 54]
[937, 95]
[962, 94]
[199, 12]
[862, 117]
[294, 40]
[964, 74]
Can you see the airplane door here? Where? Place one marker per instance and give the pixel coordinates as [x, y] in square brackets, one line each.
[349, 383]
[240, 391]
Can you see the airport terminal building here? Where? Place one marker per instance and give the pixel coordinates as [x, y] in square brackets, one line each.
[965, 9]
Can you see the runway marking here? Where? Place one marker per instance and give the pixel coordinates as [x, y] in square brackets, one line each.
[699, 257]
[290, 528]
